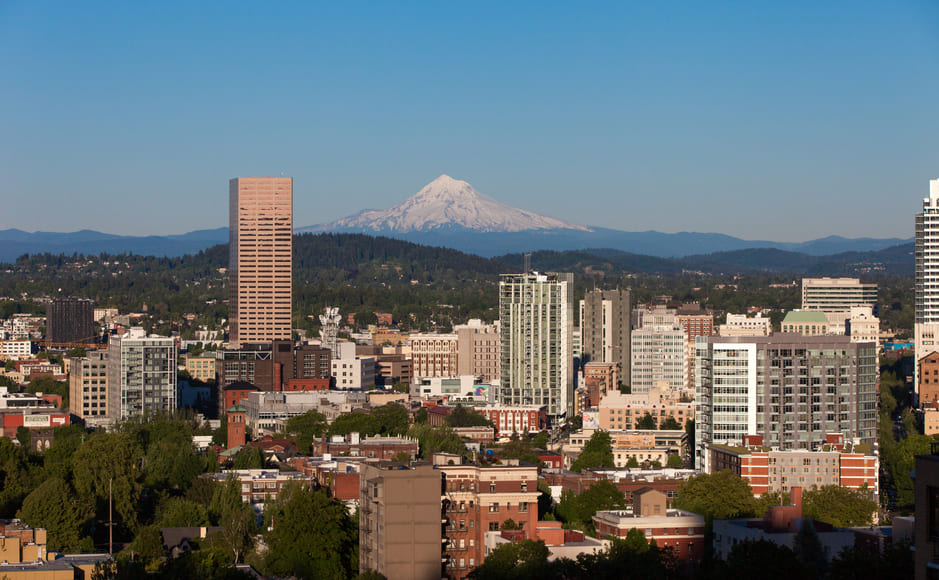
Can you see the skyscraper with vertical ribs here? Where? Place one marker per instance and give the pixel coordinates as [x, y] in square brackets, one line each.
[260, 259]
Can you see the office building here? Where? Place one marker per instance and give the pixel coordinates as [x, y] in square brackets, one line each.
[478, 346]
[926, 524]
[659, 351]
[141, 375]
[792, 390]
[605, 328]
[741, 325]
[433, 355]
[536, 319]
[400, 516]
[69, 320]
[260, 259]
[807, 323]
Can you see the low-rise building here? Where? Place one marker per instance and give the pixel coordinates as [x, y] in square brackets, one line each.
[742, 325]
[621, 411]
[854, 467]
[780, 526]
[259, 485]
[677, 529]
[376, 447]
[805, 323]
[201, 368]
[515, 419]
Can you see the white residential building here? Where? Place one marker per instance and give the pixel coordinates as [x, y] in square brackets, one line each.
[926, 278]
[141, 375]
[536, 317]
[352, 372]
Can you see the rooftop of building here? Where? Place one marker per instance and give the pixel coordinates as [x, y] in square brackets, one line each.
[803, 316]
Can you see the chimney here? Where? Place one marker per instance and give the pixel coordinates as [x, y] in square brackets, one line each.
[795, 495]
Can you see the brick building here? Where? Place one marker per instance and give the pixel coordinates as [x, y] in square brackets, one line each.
[780, 470]
[480, 499]
[680, 530]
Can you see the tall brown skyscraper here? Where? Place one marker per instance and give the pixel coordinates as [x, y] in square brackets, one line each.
[260, 258]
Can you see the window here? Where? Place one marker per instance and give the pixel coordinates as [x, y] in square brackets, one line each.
[492, 487]
[494, 508]
[523, 507]
[493, 526]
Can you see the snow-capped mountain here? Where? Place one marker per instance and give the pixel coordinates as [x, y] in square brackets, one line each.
[447, 203]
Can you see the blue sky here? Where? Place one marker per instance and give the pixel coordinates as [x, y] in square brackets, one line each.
[785, 121]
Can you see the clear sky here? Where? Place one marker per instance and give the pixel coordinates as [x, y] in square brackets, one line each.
[784, 121]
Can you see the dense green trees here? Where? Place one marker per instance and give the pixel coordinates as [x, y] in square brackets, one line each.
[839, 506]
[577, 510]
[305, 429]
[390, 419]
[721, 495]
[55, 506]
[463, 417]
[597, 452]
[310, 535]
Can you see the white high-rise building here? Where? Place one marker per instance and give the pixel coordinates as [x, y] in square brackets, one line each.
[536, 317]
[141, 375]
[659, 351]
[926, 281]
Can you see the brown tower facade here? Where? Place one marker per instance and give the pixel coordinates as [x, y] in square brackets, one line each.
[260, 259]
[236, 426]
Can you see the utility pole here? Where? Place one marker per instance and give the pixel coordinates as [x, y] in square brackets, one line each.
[110, 516]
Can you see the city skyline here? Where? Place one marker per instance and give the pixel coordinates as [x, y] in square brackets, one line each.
[722, 110]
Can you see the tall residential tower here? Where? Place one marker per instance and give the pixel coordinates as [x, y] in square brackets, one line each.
[260, 254]
[604, 328]
[926, 282]
[536, 316]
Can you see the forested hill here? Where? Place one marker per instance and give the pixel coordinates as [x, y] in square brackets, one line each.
[426, 287]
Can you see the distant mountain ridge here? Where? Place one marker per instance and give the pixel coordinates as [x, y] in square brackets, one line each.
[14, 243]
[447, 213]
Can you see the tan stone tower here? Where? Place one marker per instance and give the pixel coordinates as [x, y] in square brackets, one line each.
[260, 259]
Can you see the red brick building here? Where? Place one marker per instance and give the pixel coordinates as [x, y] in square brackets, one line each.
[234, 394]
[480, 499]
[682, 531]
[508, 420]
[769, 470]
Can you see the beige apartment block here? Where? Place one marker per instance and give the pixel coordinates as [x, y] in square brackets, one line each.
[260, 259]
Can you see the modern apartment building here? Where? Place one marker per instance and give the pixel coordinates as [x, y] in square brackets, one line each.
[88, 387]
[70, 320]
[260, 259]
[605, 328]
[926, 278]
[400, 516]
[792, 390]
[659, 351]
[141, 375]
[536, 318]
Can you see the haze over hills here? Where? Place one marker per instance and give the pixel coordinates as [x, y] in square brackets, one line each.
[447, 213]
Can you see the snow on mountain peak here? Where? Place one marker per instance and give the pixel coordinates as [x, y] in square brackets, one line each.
[449, 202]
